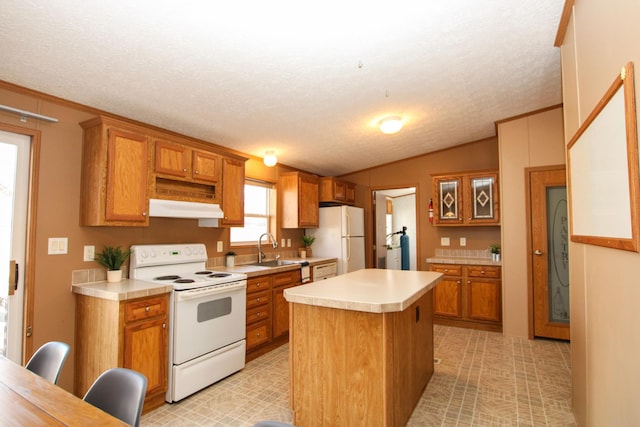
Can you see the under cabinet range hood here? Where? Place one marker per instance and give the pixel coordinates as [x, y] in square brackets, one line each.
[180, 209]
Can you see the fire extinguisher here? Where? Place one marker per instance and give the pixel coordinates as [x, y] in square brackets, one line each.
[430, 210]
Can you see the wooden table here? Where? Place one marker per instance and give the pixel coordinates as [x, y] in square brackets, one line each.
[29, 400]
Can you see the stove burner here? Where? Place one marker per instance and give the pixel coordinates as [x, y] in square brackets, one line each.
[204, 272]
[184, 281]
[167, 277]
[220, 275]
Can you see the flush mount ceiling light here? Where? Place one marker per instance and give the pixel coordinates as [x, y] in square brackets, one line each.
[390, 125]
[270, 158]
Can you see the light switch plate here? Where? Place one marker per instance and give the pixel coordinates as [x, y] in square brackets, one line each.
[463, 241]
[282, 243]
[444, 241]
[219, 246]
[58, 245]
[288, 243]
[89, 253]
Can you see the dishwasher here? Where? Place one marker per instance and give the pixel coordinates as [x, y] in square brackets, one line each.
[324, 271]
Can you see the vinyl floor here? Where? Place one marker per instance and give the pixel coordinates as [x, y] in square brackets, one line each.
[481, 379]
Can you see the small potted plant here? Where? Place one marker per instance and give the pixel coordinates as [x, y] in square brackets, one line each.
[308, 241]
[495, 252]
[112, 258]
[230, 259]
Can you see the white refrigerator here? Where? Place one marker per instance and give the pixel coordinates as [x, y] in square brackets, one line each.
[341, 236]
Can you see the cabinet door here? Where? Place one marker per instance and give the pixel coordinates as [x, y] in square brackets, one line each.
[127, 177]
[205, 166]
[447, 297]
[280, 312]
[171, 159]
[233, 192]
[350, 193]
[483, 205]
[145, 351]
[448, 209]
[484, 299]
[309, 215]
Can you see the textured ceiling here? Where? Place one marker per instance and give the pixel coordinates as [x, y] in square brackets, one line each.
[308, 80]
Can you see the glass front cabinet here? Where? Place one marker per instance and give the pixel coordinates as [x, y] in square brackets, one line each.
[466, 199]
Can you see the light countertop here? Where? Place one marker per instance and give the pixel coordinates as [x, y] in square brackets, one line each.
[463, 260]
[369, 290]
[125, 290]
[256, 270]
[131, 288]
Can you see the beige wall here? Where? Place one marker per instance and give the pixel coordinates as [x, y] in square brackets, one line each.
[530, 141]
[605, 290]
[417, 172]
[58, 199]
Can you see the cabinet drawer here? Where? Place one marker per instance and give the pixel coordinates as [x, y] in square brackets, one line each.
[448, 269]
[483, 271]
[258, 298]
[257, 314]
[257, 334]
[287, 278]
[144, 309]
[258, 284]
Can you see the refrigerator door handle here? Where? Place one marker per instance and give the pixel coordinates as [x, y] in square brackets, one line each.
[347, 218]
[348, 249]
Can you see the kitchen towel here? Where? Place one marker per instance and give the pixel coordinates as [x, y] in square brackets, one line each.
[305, 272]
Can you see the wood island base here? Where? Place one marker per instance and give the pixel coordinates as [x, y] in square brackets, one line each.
[359, 368]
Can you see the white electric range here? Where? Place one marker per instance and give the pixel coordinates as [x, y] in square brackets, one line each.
[207, 315]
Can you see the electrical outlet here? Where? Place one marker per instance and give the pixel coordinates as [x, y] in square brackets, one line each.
[444, 241]
[219, 246]
[288, 243]
[463, 241]
[89, 253]
[58, 245]
[282, 243]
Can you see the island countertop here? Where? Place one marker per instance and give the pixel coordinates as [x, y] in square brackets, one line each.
[369, 290]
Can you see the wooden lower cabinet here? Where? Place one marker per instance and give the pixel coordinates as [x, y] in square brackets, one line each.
[131, 334]
[268, 311]
[468, 296]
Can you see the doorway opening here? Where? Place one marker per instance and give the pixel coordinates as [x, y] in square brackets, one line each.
[393, 210]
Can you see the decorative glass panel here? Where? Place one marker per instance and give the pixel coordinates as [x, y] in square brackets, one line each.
[482, 195]
[557, 236]
[449, 199]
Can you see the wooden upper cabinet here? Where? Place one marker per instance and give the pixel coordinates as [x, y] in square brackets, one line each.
[233, 192]
[115, 175]
[172, 159]
[300, 200]
[180, 161]
[335, 191]
[466, 199]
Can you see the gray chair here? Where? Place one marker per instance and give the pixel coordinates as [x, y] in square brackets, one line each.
[272, 424]
[47, 361]
[119, 392]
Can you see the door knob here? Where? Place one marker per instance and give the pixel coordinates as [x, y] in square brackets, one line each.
[538, 252]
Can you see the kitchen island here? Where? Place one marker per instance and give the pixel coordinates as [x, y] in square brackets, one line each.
[361, 347]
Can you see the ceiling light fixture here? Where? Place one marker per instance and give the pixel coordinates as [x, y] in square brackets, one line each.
[390, 125]
[270, 158]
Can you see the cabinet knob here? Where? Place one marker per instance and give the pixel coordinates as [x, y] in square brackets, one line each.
[257, 299]
[258, 334]
[164, 326]
[144, 214]
[196, 172]
[482, 272]
[468, 282]
[147, 309]
[258, 285]
[184, 169]
[446, 270]
[459, 282]
[257, 314]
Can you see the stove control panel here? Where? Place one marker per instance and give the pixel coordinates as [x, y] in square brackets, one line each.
[148, 255]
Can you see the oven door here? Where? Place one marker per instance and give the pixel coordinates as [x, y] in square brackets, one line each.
[207, 319]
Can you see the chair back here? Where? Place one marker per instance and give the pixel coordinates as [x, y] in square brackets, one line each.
[119, 392]
[47, 361]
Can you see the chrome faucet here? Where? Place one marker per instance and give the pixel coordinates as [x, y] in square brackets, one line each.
[261, 254]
